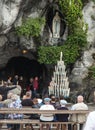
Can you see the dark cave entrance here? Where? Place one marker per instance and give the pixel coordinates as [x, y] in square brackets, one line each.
[25, 67]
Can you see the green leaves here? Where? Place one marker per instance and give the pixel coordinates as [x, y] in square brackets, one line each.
[48, 55]
[30, 27]
[71, 49]
[72, 9]
[51, 54]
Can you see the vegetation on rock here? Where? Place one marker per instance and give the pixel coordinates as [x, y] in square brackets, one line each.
[77, 36]
[72, 10]
[30, 27]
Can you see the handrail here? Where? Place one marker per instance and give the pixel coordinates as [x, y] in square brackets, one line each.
[37, 111]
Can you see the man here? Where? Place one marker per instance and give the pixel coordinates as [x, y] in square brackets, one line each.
[80, 105]
[5, 89]
[62, 117]
[46, 117]
[90, 123]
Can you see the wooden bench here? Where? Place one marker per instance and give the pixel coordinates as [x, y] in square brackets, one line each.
[36, 111]
[33, 122]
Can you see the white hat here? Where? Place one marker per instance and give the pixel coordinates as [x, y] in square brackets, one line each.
[63, 102]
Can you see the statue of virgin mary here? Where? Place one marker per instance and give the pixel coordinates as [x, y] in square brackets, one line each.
[56, 26]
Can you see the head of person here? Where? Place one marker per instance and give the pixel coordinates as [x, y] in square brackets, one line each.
[53, 99]
[5, 83]
[61, 97]
[63, 103]
[47, 100]
[9, 95]
[16, 77]
[36, 78]
[38, 95]
[21, 78]
[14, 97]
[31, 80]
[80, 99]
[10, 78]
[28, 94]
[35, 101]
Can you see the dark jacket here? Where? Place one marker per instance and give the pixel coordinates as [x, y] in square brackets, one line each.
[62, 117]
[4, 91]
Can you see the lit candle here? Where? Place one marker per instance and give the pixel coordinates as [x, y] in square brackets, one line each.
[61, 56]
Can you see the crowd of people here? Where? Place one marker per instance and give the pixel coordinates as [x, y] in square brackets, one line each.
[12, 97]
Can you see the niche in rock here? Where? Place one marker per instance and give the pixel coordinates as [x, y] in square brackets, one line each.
[59, 19]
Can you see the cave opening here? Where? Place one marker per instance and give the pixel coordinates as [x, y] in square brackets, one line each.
[24, 67]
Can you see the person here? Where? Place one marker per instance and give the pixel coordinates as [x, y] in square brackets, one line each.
[15, 80]
[90, 123]
[46, 117]
[28, 95]
[1, 106]
[62, 117]
[5, 89]
[21, 82]
[35, 86]
[35, 105]
[30, 86]
[8, 100]
[9, 81]
[38, 97]
[16, 90]
[16, 103]
[80, 105]
[53, 101]
[62, 98]
[56, 25]
[26, 100]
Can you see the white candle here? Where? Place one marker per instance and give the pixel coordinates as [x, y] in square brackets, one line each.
[61, 56]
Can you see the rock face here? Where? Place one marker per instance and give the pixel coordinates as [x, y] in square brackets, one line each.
[80, 70]
[79, 76]
[11, 14]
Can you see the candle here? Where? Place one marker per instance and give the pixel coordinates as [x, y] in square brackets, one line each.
[61, 56]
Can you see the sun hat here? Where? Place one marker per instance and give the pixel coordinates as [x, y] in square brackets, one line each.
[47, 99]
[63, 102]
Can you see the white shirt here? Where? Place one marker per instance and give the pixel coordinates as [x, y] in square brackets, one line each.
[79, 106]
[90, 123]
[47, 117]
[81, 117]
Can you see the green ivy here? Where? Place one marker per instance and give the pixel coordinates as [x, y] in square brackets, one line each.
[30, 26]
[76, 40]
[51, 54]
[72, 9]
[71, 49]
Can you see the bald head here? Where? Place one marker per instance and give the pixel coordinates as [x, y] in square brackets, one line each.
[80, 99]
